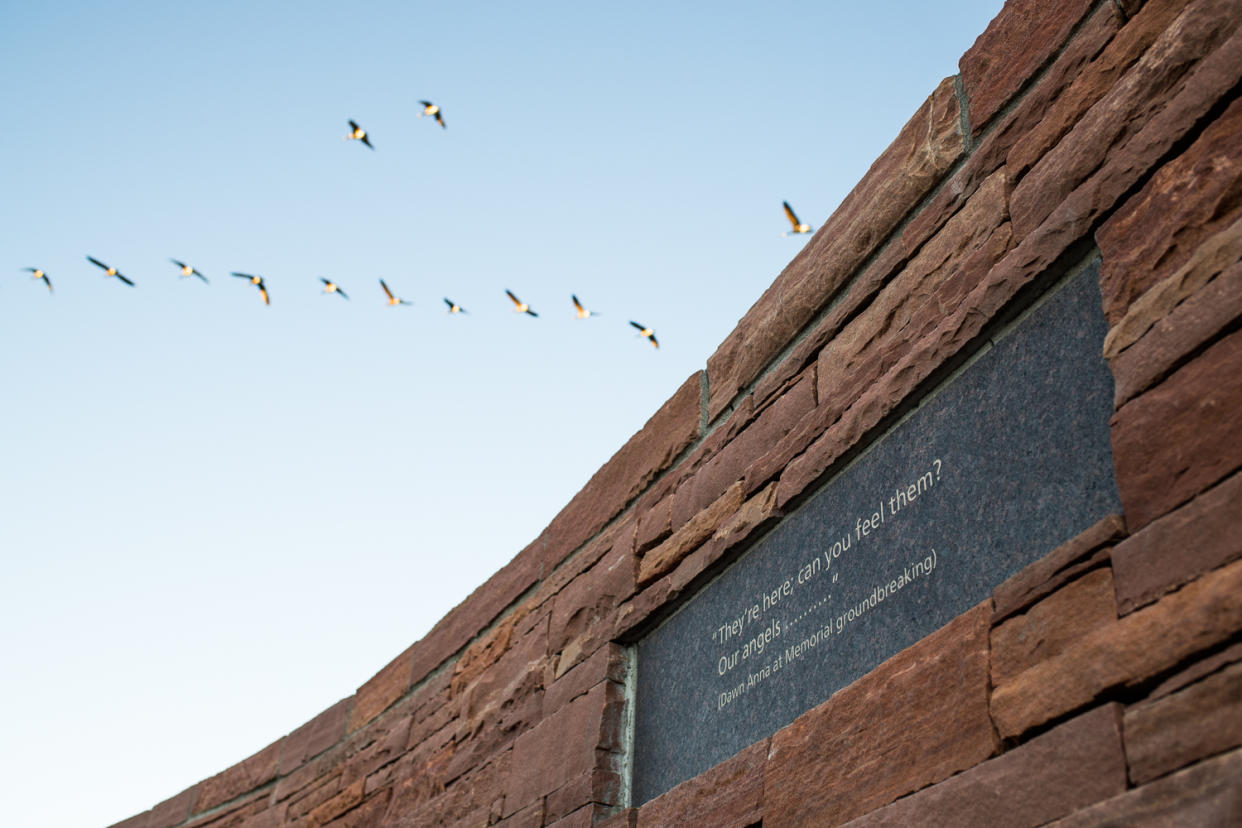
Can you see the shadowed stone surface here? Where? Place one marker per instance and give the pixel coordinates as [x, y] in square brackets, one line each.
[1070, 767]
[1004, 463]
[1208, 794]
[1171, 732]
[916, 720]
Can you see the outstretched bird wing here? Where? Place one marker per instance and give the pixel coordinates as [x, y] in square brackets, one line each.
[793, 219]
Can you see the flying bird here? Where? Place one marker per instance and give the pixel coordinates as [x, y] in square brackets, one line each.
[39, 274]
[434, 111]
[646, 332]
[798, 227]
[393, 300]
[453, 307]
[581, 312]
[186, 270]
[257, 281]
[109, 271]
[357, 133]
[522, 307]
[330, 286]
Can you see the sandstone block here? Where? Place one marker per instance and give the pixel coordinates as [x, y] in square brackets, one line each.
[529, 817]
[316, 736]
[337, 805]
[1181, 437]
[1192, 724]
[872, 343]
[1140, 645]
[1051, 625]
[608, 663]
[1198, 320]
[582, 620]
[172, 811]
[381, 690]
[557, 750]
[1088, 83]
[1015, 45]
[601, 785]
[1188, 200]
[664, 557]
[240, 779]
[368, 814]
[915, 720]
[1208, 794]
[1074, 765]
[1185, 71]
[1215, 256]
[1067, 561]
[730, 794]
[1198, 537]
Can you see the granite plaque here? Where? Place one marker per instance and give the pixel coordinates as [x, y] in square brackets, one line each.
[1007, 459]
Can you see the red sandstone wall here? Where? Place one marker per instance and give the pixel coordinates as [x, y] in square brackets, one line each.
[1103, 682]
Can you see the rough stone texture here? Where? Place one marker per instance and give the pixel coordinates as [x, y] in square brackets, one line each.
[1176, 81]
[1172, 732]
[1216, 255]
[1059, 566]
[172, 811]
[1072, 766]
[1138, 646]
[504, 702]
[664, 557]
[368, 814]
[1180, 546]
[1051, 625]
[1085, 85]
[136, 821]
[1018, 41]
[384, 688]
[882, 738]
[598, 786]
[242, 778]
[557, 750]
[1208, 794]
[232, 815]
[582, 612]
[928, 145]
[1181, 437]
[644, 456]
[770, 424]
[730, 794]
[1199, 669]
[337, 805]
[1187, 201]
[1198, 320]
[609, 663]
[529, 817]
[1030, 113]
[871, 343]
[316, 736]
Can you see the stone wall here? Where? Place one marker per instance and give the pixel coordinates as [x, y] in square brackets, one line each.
[1103, 682]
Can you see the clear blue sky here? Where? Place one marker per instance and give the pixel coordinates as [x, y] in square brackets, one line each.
[218, 518]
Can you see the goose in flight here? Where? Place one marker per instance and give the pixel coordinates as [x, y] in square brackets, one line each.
[109, 271]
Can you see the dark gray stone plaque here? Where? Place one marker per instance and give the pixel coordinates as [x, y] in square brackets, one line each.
[1005, 461]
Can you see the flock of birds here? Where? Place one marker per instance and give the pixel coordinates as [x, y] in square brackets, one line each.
[357, 133]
